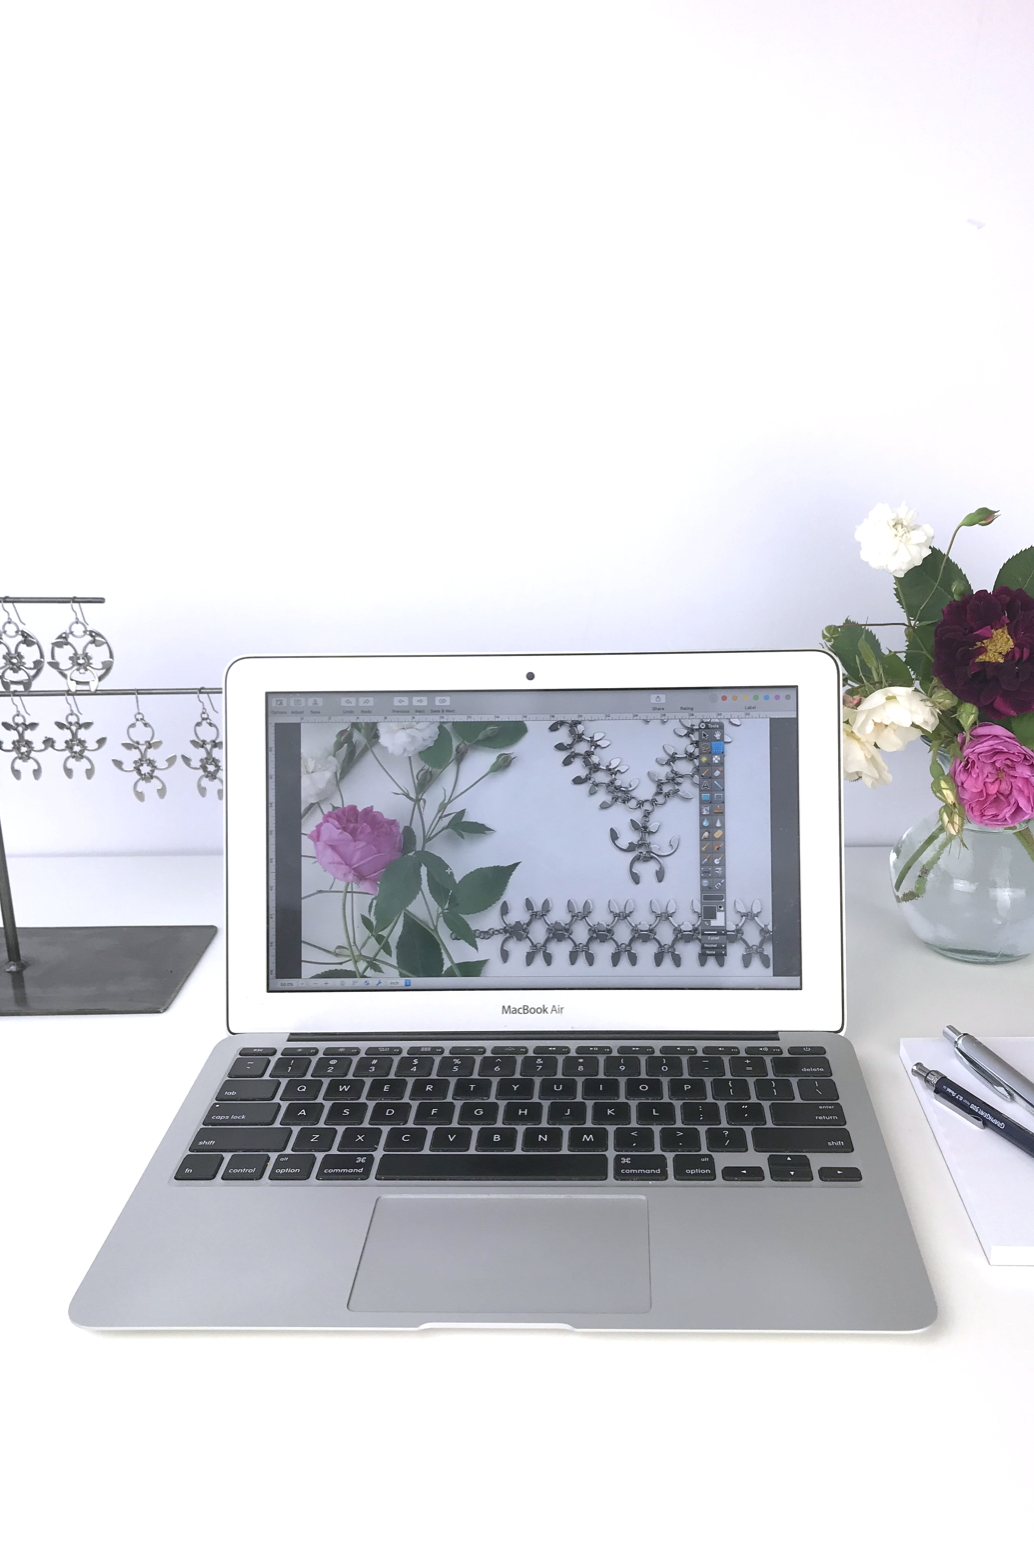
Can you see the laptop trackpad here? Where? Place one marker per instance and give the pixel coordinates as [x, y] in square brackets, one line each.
[455, 1256]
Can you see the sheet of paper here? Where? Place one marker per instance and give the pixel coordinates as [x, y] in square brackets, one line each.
[995, 1180]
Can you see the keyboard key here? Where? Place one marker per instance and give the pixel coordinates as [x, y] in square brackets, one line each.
[539, 1065]
[515, 1087]
[743, 1175]
[345, 1168]
[472, 1087]
[792, 1169]
[601, 1087]
[331, 1065]
[249, 1065]
[456, 1065]
[700, 1114]
[314, 1140]
[403, 1140]
[784, 1139]
[681, 1138]
[655, 1114]
[414, 1065]
[748, 1065]
[538, 1140]
[721, 1049]
[593, 1049]
[634, 1139]
[724, 1138]
[644, 1087]
[581, 1065]
[637, 1049]
[303, 1087]
[497, 1065]
[641, 1166]
[816, 1089]
[522, 1114]
[805, 1049]
[346, 1113]
[687, 1087]
[200, 1168]
[622, 1065]
[304, 1113]
[664, 1065]
[774, 1087]
[502, 1168]
[800, 1065]
[228, 1138]
[387, 1087]
[259, 1049]
[705, 1065]
[247, 1090]
[558, 1087]
[582, 1140]
[566, 1114]
[479, 1113]
[730, 1087]
[435, 1113]
[612, 1113]
[374, 1065]
[447, 1139]
[430, 1087]
[390, 1113]
[287, 1065]
[242, 1114]
[246, 1166]
[807, 1114]
[699, 1167]
[834, 1175]
[745, 1114]
[359, 1139]
[350, 1088]
[552, 1049]
[290, 1165]
[490, 1140]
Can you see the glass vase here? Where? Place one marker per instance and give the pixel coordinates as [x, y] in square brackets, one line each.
[969, 897]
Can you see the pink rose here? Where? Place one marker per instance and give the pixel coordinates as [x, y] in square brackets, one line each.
[994, 775]
[355, 846]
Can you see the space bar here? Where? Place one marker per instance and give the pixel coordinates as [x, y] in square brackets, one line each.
[509, 1168]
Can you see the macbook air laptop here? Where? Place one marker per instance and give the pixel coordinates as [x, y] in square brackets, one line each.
[535, 972]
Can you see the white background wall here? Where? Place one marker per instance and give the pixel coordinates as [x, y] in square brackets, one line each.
[556, 324]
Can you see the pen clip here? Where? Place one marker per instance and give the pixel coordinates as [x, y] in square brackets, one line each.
[985, 1075]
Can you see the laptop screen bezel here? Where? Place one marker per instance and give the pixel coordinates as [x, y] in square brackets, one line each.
[818, 1006]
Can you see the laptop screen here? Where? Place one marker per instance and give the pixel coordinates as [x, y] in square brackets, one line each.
[431, 839]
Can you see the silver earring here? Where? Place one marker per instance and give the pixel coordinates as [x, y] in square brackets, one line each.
[145, 766]
[22, 746]
[206, 741]
[21, 655]
[81, 654]
[75, 747]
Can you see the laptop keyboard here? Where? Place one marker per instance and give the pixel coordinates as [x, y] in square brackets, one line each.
[590, 1114]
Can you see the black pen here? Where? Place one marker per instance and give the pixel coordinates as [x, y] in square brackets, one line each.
[975, 1110]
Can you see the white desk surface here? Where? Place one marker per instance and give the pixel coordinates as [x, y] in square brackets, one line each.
[485, 1438]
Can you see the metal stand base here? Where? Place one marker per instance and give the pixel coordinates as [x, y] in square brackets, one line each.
[77, 970]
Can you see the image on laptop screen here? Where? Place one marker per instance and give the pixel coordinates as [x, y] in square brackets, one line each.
[587, 838]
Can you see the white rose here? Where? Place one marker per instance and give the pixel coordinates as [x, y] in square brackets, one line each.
[318, 777]
[893, 540]
[861, 760]
[406, 738]
[890, 718]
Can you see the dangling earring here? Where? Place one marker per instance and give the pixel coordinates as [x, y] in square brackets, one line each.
[22, 746]
[206, 741]
[145, 767]
[75, 747]
[81, 654]
[21, 655]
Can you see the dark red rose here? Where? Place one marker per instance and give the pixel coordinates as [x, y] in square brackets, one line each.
[984, 650]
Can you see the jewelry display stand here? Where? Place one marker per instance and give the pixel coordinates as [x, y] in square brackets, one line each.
[55, 971]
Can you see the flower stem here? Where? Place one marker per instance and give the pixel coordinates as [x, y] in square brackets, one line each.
[1026, 839]
[914, 857]
[923, 875]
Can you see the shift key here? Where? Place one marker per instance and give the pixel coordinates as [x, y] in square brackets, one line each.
[250, 1138]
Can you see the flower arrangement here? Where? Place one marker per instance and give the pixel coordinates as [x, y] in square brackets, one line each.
[403, 909]
[964, 682]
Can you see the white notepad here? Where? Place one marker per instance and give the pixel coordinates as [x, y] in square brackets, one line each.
[995, 1180]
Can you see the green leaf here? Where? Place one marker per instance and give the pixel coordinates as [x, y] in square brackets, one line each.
[482, 888]
[469, 970]
[440, 870]
[967, 715]
[339, 974]
[919, 654]
[400, 884]
[440, 751]
[466, 826]
[458, 926]
[1018, 572]
[382, 941]
[896, 674]
[847, 646]
[1022, 728]
[441, 895]
[418, 951]
[489, 734]
[408, 840]
[925, 591]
